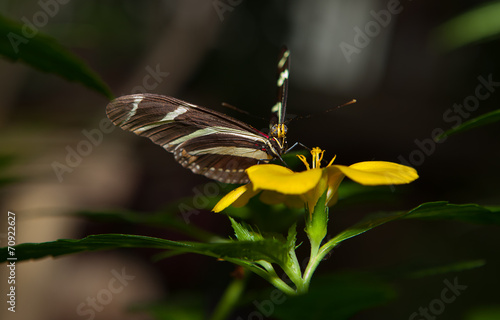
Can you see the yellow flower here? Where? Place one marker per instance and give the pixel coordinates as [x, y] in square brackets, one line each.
[282, 185]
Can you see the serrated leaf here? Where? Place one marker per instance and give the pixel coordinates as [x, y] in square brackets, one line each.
[291, 238]
[244, 232]
[269, 250]
[316, 224]
[46, 54]
[482, 120]
[292, 262]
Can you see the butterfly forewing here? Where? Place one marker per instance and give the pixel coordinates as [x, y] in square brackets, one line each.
[203, 140]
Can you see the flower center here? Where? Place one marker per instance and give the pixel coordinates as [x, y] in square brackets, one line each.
[317, 157]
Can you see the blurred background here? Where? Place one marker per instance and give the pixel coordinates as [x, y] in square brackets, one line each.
[411, 65]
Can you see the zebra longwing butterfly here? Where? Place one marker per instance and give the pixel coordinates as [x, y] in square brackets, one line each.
[205, 141]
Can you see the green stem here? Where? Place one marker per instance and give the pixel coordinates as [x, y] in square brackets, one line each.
[275, 280]
[266, 271]
[230, 298]
[317, 256]
[295, 276]
[316, 229]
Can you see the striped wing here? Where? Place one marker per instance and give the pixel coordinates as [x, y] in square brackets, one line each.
[205, 141]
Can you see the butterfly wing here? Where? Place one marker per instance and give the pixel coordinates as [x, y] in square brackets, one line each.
[203, 140]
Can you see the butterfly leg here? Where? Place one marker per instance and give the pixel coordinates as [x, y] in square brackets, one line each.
[300, 144]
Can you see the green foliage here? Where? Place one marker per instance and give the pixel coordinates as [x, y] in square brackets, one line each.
[251, 246]
[443, 210]
[265, 237]
[316, 224]
[244, 232]
[484, 313]
[472, 26]
[245, 250]
[453, 267]
[482, 120]
[46, 54]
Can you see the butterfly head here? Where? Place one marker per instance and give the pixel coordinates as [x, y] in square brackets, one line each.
[278, 131]
[278, 136]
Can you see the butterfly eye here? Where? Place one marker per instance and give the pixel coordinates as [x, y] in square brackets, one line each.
[284, 130]
[274, 131]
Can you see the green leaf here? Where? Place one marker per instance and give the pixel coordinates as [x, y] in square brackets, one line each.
[364, 225]
[316, 224]
[338, 296]
[244, 232]
[269, 250]
[292, 265]
[429, 211]
[485, 119]
[460, 212]
[282, 255]
[477, 24]
[453, 267]
[491, 312]
[46, 54]
[423, 267]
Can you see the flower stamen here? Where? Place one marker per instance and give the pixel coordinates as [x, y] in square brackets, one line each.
[331, 161]
[304, 161]
[317, 157]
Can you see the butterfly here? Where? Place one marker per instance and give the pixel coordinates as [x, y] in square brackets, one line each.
[203, 140]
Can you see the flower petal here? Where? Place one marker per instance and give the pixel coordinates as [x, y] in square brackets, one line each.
[335, 177]
[238, 197]
[378, 173]
[283, 180]
[294, 201]
[272, 197]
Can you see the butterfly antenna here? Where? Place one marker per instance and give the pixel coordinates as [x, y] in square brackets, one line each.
[230, 106]
[327, 110]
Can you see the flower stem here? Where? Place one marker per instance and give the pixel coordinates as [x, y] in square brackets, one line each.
[316, 229]
[230, 298]
[275, 280]
[316, 257]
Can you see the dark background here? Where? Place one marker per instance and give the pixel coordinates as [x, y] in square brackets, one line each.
[405, 81]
